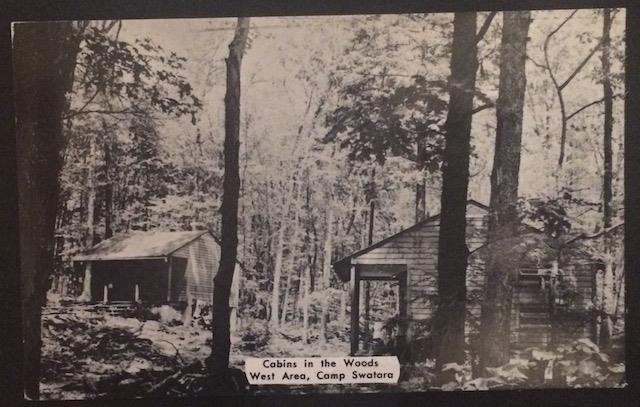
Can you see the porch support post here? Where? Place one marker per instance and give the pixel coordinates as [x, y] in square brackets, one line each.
[355, 309]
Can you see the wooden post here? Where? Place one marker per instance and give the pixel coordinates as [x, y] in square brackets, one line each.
[105, 294]
[355, 310]
[168, 259]
[136, 295]
[86, 284]
[367, 306]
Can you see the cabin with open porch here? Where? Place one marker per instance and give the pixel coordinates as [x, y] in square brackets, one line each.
[151, 267]
[407, 261]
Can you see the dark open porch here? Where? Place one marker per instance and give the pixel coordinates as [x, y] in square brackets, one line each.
[376, 272]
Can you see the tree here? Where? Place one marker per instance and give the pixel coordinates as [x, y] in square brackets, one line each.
[218, 362]
[560, 85]
[44, 62]
[504, 222]
[326, 270]
[388, 109]
[449, 319]
[607, 188]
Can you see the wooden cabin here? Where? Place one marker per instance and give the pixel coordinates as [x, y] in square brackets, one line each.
[152, 267]
[409, 258]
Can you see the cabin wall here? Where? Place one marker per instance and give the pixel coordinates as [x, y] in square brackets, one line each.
[197, 262]
[418, 249]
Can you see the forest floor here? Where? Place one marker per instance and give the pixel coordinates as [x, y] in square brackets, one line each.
[94, 352]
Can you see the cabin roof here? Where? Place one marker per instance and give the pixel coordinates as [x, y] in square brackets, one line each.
[139, 245]
[342, 266]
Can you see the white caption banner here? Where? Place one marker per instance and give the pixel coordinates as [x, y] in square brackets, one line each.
[321, 370]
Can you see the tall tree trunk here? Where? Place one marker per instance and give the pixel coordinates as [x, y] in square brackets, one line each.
[277, 269]
[277, 274]
[421, 186]
[90, 220]
[108, 188]
[292, 261]
[448, 324]
[495, 326]
[218, 362]
[44, 63]
[299, 295]
[607, 189]
[305, 305]
[326, 273]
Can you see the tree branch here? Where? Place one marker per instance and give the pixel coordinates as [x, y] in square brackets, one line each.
[584, 236]
[485, 26]
[588, 105]
[582, 64]
[483, 107]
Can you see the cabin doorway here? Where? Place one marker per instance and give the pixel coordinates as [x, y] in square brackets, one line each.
[378, 308]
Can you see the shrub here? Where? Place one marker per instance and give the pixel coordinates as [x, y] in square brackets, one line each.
[580, 364]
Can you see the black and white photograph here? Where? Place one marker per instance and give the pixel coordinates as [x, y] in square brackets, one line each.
[446, 189]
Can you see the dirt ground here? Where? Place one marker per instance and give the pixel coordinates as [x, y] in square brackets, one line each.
[97, 352]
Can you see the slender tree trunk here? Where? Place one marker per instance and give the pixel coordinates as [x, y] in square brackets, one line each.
[305, 305]
[277, 274]
[44, 63]
[371, 196]
[449, 319]
[218, 362]
[421, 186]
[326, 273]
[108, 188]
[90, 236]
[285, 300]
[292, 262]
[607, 193]
[299, 295]
[495, 327]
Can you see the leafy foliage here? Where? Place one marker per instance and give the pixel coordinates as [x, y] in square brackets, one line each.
[579, 364]
[132, 76]
[377, 122]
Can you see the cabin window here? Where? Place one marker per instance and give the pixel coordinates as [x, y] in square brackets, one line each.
[529, 275]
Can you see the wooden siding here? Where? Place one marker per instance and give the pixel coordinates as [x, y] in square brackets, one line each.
[418, 250]
[198, 263]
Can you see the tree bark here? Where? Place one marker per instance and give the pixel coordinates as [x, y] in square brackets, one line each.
[607, 188]
[495, 326]
[44, 63]
[326, 274]
[448, 324]
[108, 188]
[421, 186]
[277, 274]
[90, 235]
[292, 261]
[305, 306]
[218, 362]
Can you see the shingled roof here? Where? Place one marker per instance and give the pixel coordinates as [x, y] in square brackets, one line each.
[139, 245]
